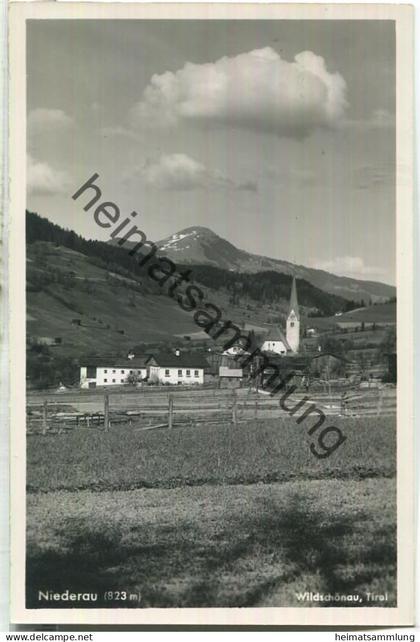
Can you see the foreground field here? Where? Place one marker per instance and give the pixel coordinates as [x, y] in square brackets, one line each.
[268, 450]
[197, 516]
[257, 545]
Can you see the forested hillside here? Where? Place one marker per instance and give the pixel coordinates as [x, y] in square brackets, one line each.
[265, 287]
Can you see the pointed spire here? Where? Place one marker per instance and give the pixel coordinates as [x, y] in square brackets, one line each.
[294, 305]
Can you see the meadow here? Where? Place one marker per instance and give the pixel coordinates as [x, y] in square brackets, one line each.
[127, 457]
[257, 545]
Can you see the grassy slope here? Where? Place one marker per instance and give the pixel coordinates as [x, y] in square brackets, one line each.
[383, 312]
[266, 450]
[380, 313]
[106, 306]
[143, 316]
[216, 546]
[152, 319]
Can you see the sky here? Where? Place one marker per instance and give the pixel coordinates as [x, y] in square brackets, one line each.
[279, 135]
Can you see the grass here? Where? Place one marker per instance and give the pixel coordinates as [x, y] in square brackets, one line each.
[384, 312]
[215, 546]
[196, 516]
[266, 450]
[144, 312]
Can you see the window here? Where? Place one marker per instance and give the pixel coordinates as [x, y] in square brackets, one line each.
[113, 372]
[195, 373]
[105, 380]
[122, 380]
[292, 324]
[122, 371]
[179, 373]
[113, 381]
[188, 373]
[91, 372]
[166, 373]
[105, 371]
[131, 372]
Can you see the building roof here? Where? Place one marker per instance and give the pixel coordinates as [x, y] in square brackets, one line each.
[293, 362]
[276, 334]
[213, 359]
[294, 305]
[329, 354]
[230, 362]
[183, 360]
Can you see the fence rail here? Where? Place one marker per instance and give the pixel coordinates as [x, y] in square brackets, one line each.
[170, 409]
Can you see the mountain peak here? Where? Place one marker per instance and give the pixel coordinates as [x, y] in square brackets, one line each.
[199, 229]
[201, 246]
[188, 237]
[193, 232]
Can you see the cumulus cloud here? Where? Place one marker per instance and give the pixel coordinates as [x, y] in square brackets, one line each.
[352, 266]
[257, 90]
[42, 179]
[180, 172]
[42, 119]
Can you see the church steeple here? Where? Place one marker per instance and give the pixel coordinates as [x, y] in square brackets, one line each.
[294, 306]
[293, 320]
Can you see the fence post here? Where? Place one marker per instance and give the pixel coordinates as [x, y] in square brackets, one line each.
[234, 409]
[170, 411]
[343, 404]
[380, 400]
[44, 417]
[106, 411]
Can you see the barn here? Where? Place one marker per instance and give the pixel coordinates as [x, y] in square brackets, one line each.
[103, 371]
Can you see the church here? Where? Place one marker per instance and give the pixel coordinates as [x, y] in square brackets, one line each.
[275, 341]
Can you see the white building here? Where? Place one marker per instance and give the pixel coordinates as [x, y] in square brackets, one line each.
[109, 372]
[276, 341]
[178, 368]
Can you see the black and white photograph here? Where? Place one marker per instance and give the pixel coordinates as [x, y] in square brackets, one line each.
[211, 384]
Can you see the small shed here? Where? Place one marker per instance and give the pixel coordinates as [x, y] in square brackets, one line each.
[327, 365]
[230, 372]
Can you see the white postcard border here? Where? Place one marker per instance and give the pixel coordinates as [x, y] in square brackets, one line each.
[404, 613]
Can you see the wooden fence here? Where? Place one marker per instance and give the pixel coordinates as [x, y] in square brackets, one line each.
[359, 402]
[146, 411]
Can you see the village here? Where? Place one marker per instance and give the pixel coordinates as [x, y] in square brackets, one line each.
[314, 355]
[342, 369]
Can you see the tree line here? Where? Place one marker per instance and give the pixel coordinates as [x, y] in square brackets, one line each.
[263, 287]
